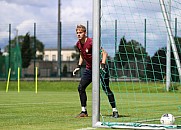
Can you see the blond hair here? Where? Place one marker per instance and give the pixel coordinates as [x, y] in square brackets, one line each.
[81, 27]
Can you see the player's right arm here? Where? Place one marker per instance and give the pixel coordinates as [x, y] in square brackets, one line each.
[80, 60]
[79, 65]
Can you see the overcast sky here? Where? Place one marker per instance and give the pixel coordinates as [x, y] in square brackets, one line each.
[21, 14]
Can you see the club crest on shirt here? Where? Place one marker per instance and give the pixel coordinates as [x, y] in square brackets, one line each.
[86, 50]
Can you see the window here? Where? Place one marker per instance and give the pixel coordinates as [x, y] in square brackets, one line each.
[53, 57]
[68, 58]
[46, 58]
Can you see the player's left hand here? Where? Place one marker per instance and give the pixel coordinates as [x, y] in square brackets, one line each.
[103, 66]
[76, 70]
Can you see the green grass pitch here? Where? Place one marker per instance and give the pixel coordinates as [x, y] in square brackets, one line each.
[54, 107]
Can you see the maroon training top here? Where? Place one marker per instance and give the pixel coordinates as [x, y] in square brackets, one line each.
[86, 51]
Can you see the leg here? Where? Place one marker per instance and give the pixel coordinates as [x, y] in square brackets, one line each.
[86, 79]
[105, 86]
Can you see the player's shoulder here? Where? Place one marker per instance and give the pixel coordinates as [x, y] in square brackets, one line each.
[89, 39]
[89, 42]
[78, 44]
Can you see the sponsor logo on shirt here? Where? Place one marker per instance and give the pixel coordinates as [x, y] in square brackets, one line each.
[86, 50]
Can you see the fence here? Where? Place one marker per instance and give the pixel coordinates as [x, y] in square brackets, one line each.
[44, 35]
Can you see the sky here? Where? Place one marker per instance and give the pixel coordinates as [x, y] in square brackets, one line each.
[130, 14]
[22, 14]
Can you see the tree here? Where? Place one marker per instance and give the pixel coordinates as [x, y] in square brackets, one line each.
[174, 70]
[21, 41]
[156, 66]
[121, 56]
[129, 51]
[39, 45]
[26, 51]
[1, 52]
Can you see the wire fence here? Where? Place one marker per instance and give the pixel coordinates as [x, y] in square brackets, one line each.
[43, 36]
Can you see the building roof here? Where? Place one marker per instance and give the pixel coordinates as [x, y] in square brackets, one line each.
[54, 49]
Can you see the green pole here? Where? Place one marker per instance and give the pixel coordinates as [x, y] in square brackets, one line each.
[116, 33]
[59, 39]
[175, 27]
[9, 46]
[115, 41]
[60, 48]
[34, 50]
[145, 35]
[87, 28]
[145, 55]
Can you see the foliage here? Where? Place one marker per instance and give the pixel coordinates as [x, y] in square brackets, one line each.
[26, 51]
[156, 67]
[39, 45]
[0, 52]
[129, 51]
[33, 48]
[174, 70]
[133, 51]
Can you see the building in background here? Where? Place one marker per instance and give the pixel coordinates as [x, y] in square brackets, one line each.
[52, 54]
[48, 67]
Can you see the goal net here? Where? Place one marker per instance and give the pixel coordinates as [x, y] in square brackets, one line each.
[142, 38]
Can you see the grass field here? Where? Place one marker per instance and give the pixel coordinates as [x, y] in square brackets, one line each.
[55, 105]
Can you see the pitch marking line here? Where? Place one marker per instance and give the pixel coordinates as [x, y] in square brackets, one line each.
[40, 103]
[88, 128]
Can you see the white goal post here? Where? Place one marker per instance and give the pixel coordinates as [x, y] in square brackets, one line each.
[171, 37]
[95, 65]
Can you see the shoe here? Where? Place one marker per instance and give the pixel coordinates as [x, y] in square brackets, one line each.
[115, 114]
[82, 114]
